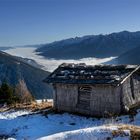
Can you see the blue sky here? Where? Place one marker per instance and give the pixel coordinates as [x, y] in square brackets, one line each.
[41, 21]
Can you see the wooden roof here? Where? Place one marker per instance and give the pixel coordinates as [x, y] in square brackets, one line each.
[88, 74]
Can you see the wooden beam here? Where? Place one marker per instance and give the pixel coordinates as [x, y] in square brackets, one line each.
[129, 75]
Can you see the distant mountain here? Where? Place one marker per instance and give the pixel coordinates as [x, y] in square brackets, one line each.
[13, 70]
[130, 57]
[99, 46]
[2, 48]
[28, 46]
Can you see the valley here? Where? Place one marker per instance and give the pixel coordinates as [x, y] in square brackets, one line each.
[50, 64]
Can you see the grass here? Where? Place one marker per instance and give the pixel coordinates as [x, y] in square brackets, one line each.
[33, 106]
[134, 131]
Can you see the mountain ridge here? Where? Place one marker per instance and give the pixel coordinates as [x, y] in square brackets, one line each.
[99, 46]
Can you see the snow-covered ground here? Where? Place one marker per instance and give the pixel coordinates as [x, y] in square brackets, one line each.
[51, 64]
[22, 125]
[92, 133]
[43, 100]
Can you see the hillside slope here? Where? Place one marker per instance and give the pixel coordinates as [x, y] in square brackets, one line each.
[13, 70]
[99, 46]
[130, 57]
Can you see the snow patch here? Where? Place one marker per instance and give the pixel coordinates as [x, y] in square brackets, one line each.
[43, 100]
[93, 133]
[13, 114]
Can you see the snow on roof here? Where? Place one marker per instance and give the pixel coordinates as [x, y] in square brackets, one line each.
[88, 74]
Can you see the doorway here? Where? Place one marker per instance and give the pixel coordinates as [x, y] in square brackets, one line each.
[84, 93]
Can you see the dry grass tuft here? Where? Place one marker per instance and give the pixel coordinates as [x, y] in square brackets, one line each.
[134, 131]
[116, 133]
[33, 106]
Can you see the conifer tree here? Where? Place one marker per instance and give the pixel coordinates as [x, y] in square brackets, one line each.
[6, 93]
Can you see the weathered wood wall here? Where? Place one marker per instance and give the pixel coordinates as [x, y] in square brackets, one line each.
[136, 84]
[104, 99]
[66, 97]
[131, 92]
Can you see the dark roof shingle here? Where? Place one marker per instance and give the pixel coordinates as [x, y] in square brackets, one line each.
[88, 74]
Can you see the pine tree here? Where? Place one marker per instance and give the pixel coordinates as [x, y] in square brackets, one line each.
[6, 93]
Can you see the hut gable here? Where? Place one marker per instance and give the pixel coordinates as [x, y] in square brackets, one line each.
[88, 74]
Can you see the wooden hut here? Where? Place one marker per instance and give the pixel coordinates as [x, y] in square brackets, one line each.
[95, 90]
